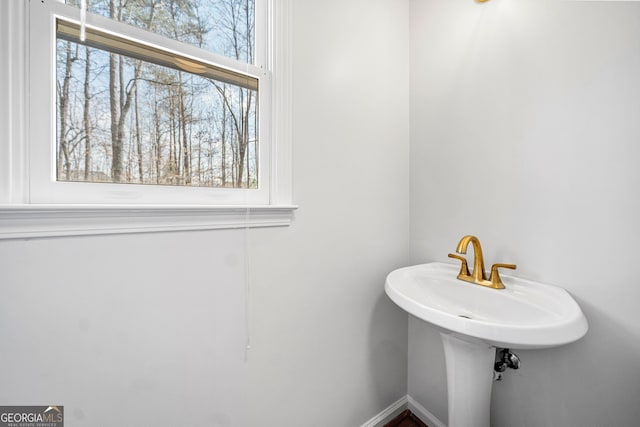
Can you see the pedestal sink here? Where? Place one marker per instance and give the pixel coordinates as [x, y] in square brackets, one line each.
[473, 320]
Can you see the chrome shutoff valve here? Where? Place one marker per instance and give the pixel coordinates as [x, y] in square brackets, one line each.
[507, 360]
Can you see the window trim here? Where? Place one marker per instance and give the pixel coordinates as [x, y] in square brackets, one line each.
[95, 37]
[21, 217]
[26, 221]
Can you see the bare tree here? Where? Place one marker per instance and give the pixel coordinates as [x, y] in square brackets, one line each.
[125, 120]
[63, 106]
[85, 115]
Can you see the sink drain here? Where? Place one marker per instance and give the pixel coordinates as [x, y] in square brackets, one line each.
[466, 317]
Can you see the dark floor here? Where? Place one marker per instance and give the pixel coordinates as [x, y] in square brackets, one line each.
[406, 419]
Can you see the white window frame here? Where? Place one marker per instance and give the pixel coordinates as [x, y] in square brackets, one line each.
[34, 204]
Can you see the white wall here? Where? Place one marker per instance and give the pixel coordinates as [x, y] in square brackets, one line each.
[151, 329]
[125, 330]
[329, 347]
[525, 130]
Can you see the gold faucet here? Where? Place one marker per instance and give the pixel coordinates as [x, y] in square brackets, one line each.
[478, 276]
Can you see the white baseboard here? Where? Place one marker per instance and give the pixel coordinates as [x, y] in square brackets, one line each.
[422, 413]
[405, 402]
[388, 413]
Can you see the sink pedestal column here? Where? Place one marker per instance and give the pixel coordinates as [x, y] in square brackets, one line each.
[469, 381]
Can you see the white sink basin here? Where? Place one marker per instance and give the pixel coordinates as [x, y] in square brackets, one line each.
[525, 315]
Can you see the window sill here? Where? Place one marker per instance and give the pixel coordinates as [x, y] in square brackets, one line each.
[37, 221]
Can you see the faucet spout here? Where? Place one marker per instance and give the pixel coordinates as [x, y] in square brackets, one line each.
[478, 274]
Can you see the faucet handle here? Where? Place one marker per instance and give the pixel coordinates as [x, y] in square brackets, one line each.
[464, 268]
[494, 278]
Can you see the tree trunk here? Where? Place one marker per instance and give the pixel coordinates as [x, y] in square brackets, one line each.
[223, 147]
[63, 153]
[186, 161]
[158, 139]
[86, 117]
[138, 139]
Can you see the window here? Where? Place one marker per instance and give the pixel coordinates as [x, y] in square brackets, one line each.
[139, 112]
[149, 103]
[147, 116]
